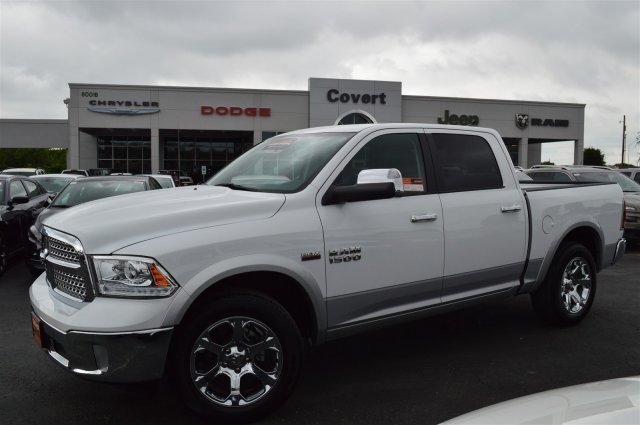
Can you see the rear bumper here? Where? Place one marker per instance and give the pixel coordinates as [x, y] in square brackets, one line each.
[108, 357]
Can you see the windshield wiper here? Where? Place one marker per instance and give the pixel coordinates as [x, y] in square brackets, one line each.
[60, 206]
[238, 187]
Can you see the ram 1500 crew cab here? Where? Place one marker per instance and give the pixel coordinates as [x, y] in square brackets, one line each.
[309, 236]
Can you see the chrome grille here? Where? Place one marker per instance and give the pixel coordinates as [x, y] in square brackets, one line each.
[62, 251]
[70, 283]
[65, 264]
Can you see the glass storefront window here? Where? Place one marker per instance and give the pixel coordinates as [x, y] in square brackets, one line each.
[125, 154]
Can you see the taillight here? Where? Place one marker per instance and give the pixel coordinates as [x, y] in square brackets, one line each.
[624, 214]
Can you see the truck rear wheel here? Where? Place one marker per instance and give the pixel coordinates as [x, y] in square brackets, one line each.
[567, 292]
[238, 358]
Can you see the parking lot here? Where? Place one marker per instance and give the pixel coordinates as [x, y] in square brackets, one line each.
[424, 372]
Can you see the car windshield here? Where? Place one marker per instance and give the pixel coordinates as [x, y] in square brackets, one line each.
[625, 182]
[282, 164]
[81, 191]
[52, 184]
[164, 182]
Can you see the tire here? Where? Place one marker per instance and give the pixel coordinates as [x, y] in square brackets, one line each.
[4, 256]
[237, 359]
[568, 291]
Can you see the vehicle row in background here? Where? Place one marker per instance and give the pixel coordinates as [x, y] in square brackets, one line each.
[631, 188]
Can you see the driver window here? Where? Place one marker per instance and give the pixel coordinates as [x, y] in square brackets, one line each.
[16, 189]
[401, 151]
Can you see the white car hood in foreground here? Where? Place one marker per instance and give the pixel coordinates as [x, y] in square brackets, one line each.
[106, 225]
[616, 401]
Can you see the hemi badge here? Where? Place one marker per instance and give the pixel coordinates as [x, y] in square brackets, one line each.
[307, 256]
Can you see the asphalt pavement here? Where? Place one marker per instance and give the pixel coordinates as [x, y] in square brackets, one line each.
[424, 372]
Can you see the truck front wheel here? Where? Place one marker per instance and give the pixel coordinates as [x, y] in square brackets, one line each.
[567, 293]
[238, 358]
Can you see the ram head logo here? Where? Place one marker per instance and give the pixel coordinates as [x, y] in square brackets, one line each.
[522, 121]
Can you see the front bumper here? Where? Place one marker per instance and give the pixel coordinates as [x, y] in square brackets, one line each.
[109, 357]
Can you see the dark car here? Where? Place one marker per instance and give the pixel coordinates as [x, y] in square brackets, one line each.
[21, 200]
[78, 192]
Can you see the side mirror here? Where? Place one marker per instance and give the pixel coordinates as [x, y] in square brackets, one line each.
[372, 184]
[19, 200]
[382, 175]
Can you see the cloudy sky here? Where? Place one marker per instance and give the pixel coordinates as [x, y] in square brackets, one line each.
[559, 51]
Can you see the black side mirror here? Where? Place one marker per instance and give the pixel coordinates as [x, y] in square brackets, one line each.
[359, 192]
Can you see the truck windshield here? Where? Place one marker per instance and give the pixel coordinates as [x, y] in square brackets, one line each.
[282, 164]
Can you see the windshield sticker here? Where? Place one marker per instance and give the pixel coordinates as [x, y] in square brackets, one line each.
[413, 184]
[278, 146]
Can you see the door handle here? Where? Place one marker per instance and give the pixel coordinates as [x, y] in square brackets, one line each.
[423, 217]
[510, 209]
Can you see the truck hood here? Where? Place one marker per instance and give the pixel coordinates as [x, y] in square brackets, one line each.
[106, 225]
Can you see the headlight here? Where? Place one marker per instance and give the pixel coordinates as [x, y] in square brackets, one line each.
[132, 277]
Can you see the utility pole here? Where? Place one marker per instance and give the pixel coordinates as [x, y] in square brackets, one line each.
[624, 135]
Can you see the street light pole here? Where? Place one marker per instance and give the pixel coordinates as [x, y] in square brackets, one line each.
[624, 135]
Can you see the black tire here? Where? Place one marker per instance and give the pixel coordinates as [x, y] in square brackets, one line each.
[245, 338]
[4, 256]
[568, 291]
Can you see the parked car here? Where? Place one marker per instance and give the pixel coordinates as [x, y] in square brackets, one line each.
[21, 200]
[632, 173]
[23, 171]
[53, 183]
[78, 192]
[179, 177]
[165, 180]
[75, 171]
[630, 188]
[101, 171]
[610, 402]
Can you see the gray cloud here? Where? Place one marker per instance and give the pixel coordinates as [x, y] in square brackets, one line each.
[563, 51]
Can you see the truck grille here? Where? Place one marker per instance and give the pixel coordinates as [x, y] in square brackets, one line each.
[66, 267]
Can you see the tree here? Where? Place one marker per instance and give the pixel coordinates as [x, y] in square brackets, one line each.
[547, 162]
[52, 160]
[593, 156]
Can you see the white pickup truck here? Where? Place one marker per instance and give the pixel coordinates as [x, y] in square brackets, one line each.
[309, 236]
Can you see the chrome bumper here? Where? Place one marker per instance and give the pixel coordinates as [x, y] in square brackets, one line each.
[108, 357]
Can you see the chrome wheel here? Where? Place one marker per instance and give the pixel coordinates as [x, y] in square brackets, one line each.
[236, 361]
[576, 285]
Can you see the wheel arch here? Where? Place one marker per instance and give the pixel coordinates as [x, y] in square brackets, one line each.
[281, 287]
[587, 234]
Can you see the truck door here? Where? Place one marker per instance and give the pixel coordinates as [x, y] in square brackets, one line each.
[484, 215]
[383, 256]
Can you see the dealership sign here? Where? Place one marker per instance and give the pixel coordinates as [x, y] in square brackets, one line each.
[123, 107]
[455, 119]
[335, 95]
[522, 121]
[235, 111]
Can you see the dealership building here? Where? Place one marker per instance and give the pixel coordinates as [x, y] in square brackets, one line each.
[148, 128]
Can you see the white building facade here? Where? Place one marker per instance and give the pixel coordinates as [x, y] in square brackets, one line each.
[148, 128]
